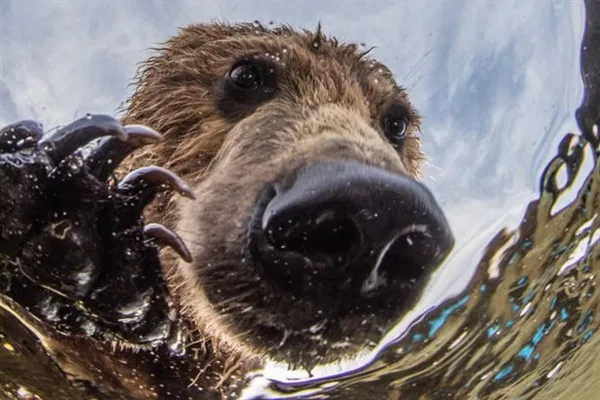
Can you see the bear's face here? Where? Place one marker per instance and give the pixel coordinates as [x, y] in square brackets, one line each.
[310, 235]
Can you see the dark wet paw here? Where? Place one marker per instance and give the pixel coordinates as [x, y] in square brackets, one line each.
[73, 248]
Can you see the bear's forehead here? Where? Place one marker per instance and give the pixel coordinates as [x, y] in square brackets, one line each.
[315, 64]
[326, 56]
[303, 52]
[314, 67]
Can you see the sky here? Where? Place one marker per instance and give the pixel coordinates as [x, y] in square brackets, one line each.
[497, 82]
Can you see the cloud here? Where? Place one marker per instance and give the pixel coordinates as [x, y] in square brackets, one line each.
[497, 81]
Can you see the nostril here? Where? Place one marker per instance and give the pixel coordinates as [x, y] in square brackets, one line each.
[405, 260]
[346, 229]
[324, 238]
[410, 255]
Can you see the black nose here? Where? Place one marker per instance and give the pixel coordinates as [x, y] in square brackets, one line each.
[346, 226]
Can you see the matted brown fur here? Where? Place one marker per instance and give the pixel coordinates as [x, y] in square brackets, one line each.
[328, 104]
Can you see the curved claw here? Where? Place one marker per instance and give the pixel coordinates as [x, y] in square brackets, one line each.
[17, 135]
[111, 151]
[67, 139]
[145, 182]
[169, 238]
[140, 135]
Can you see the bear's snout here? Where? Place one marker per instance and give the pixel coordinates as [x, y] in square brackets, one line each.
[342, 227]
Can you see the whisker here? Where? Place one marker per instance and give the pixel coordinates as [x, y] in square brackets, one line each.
[186, 231]
[200, 373]
[179, 285]
[202, 341]
[238, 287]
[189, 241]
[210, 268]
[230, 307]
[194, 233]
[228, 371]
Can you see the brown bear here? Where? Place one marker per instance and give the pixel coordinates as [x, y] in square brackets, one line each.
[310, 234]
[241, 107]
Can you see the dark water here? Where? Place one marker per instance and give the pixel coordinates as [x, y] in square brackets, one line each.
[525, 326]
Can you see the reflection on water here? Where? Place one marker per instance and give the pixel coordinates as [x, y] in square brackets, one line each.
[525, 327]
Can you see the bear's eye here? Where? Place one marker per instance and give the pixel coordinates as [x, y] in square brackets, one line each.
[245, 76]
[395, 124]
[395, 128]
[249, 82]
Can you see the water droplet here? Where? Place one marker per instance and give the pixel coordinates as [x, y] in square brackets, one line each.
[8, 346]
[25, 394]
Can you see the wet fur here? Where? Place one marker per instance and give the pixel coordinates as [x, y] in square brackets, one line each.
[329, 99]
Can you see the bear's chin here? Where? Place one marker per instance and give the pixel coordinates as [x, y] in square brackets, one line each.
[299, 331]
